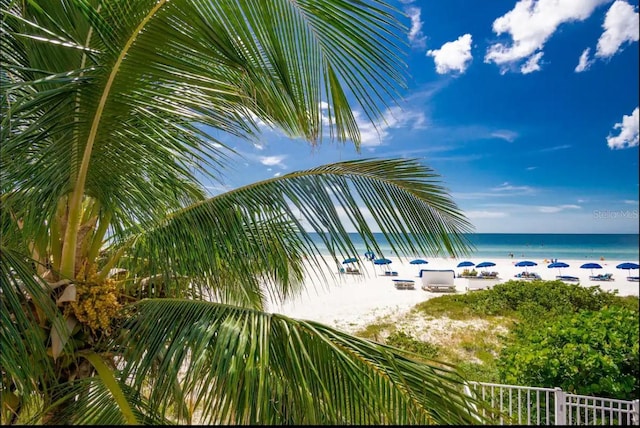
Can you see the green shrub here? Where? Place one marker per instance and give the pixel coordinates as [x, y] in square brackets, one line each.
[526, 300]
[485, 372]
[402, 340]
[589, 352]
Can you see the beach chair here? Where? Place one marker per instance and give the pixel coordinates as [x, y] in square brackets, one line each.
[568, 278]
[468, 274]
[633, 278]
[488, 275]
[438, 280]
[602, 277]
[529, 276]
[404, 284]
[352, 271]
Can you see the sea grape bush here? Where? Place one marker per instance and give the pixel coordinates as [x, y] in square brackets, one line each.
[588, 352]
[582, 339]
[526, 300]
[542, 298]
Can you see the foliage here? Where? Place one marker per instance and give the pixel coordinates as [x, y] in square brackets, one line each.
[588, 352]
[525, 300]
[487, 371]
[534, 312]
[404, 341]
[132, 295]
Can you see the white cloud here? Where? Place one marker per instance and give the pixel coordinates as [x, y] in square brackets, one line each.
[556, 208]
[531, 23]
[373, 134]
[531, 168]
[555, 148]
[507, 187]
[630, 202]
[505, 134]
[416, 38]
[620, 26]
[584, 62]
[453, 56]
[272, 160]
[532, 64]
[394, 118]
[505, 190]
[628, 136]
[485, 214]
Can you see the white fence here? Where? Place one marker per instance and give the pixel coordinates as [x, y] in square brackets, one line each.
[512, 404]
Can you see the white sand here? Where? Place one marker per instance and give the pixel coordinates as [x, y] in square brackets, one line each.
[349, 302]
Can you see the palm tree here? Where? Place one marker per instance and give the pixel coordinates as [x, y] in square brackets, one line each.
[131, 296]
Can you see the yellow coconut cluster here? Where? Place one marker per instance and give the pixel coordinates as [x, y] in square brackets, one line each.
[96, 302]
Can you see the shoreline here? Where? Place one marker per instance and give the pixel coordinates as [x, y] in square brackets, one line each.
[349, 302]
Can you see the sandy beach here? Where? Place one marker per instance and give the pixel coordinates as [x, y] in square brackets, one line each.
[349, 302]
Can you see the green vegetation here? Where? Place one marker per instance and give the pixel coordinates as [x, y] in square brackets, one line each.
[402, 340]
[539, 333]
[588, 352]
[132, 295]
[524, 299]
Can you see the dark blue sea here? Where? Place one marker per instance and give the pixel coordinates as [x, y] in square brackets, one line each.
[551, 246]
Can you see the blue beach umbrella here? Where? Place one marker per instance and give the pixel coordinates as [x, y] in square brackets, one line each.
[558, 265]
[628, 266]
[418, 262]
[526, 264]
[591, 266]
[485, 264]
[351, 260]
[369, 255]
[382, 262]
[466, 264]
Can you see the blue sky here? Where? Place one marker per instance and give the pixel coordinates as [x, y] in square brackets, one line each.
[527, 109]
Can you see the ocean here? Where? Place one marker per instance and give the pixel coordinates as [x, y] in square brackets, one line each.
[623, 247]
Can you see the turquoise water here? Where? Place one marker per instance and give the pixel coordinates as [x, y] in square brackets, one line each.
[550, 246]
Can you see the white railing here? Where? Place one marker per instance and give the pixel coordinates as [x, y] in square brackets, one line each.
[513, 404]
[586, 410]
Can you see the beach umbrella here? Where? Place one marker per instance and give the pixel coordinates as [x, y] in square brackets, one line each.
[485, 264]
[466, 264]
[418, 262]
[382, 262]
[369, 255]
[591, 266]
[628, 266]
[558, 265]
[351, 260]
[526, 264]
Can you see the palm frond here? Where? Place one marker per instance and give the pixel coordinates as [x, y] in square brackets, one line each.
[246, 367]
[135, 81]
[88, 401]
[242, 241]
[26, 310]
